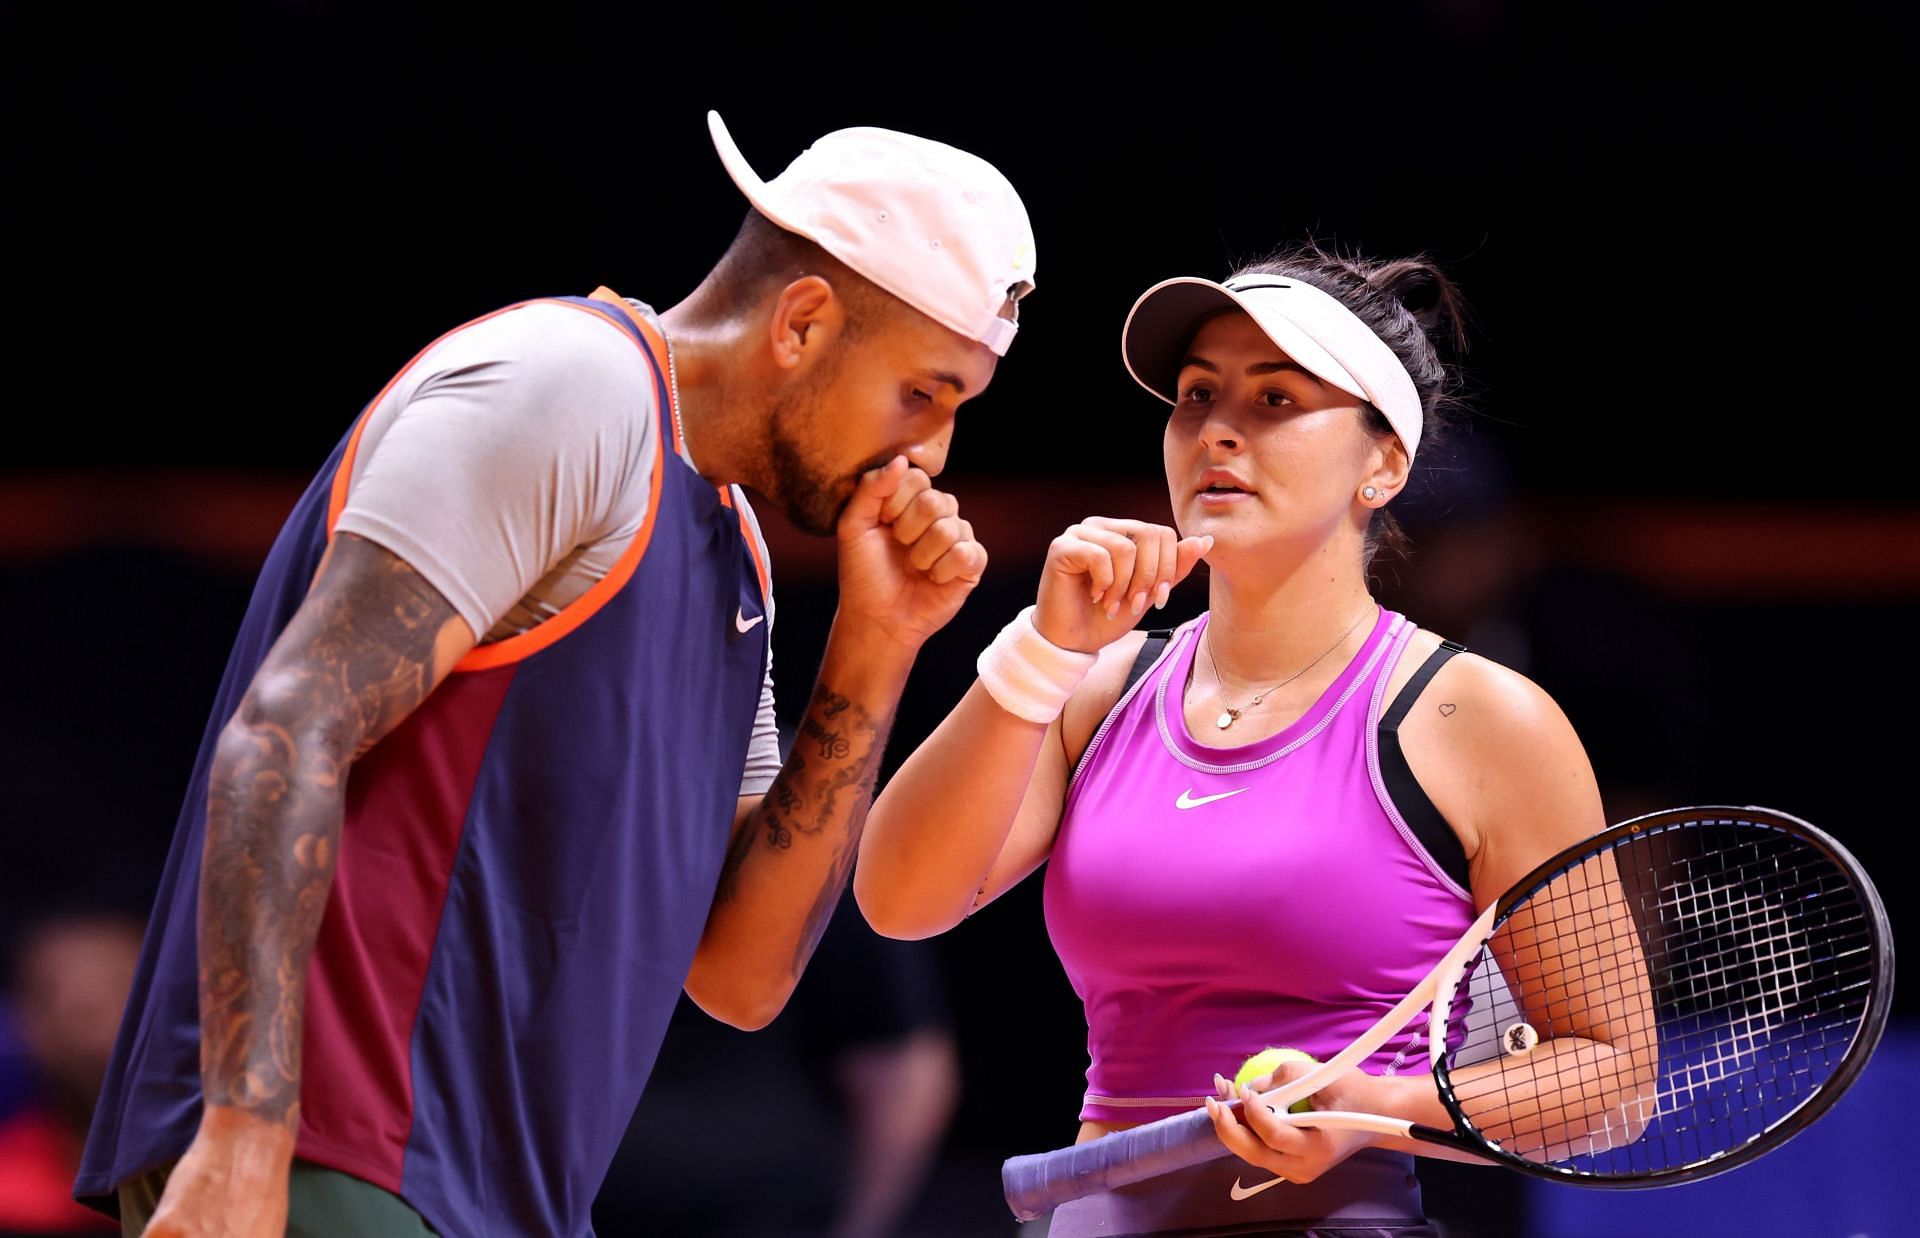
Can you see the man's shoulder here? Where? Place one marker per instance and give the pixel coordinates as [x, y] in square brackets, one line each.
[550, 328]
[551, 361]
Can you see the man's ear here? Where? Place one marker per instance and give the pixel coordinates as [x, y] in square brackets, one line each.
[807, 316]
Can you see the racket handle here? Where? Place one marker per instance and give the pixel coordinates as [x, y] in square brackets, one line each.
[1041, 1182]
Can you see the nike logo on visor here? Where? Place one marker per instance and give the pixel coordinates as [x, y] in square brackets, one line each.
[1186, 799]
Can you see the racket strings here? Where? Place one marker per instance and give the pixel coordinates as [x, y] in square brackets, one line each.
[1666, 1001]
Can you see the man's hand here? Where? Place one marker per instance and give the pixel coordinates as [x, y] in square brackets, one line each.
[232, 1183]
[907, 558]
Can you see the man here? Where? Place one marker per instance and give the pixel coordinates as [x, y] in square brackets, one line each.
[472, 808]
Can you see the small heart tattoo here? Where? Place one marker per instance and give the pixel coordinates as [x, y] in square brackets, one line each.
[1446, 711]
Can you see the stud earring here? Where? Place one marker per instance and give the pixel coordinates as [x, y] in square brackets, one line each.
[1368, 493]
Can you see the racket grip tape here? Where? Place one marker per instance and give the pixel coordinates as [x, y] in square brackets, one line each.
[1042, 1182]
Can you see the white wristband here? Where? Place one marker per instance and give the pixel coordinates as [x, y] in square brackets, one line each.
[1028, 674]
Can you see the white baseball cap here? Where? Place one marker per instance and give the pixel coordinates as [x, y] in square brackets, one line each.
[1313, 328]
[937, 227]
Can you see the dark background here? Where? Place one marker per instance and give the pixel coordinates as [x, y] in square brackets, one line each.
[1684, 502]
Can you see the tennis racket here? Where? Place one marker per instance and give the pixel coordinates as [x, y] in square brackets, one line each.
[1671, 998]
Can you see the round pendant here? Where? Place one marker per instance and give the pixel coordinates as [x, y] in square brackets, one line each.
[1225, 720]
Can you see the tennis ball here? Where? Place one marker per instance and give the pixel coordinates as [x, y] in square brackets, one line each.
[1268, 1059]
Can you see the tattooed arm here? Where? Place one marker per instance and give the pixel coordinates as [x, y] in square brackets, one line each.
[907, 561]
[793, 848]
[368, 644]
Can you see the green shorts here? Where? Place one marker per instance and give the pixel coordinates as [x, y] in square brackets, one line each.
[321, 1203]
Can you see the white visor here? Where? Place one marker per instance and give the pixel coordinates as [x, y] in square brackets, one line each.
[1311, 327]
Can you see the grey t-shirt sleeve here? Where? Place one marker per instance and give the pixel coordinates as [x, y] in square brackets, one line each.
[501, 453]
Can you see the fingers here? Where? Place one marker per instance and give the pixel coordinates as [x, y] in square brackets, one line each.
[874, 489]
[1121, 552]
[1075, 555]
[928, 523]
[922, 519]
[913, 484]
[1153, 548]
[1187, 556]
[1240, 1141]
[1128, 565]
[947, 551]
[1271, 1127]
[1147, 561]
[916, 506]
[1258, 1135]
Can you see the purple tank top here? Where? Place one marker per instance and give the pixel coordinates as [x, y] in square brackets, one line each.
[1209, 902]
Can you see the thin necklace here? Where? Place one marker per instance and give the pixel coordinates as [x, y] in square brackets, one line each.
[673, 379]
[673, 386]
[1229, 714]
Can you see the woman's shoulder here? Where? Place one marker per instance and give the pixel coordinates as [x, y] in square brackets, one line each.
[1496, 699]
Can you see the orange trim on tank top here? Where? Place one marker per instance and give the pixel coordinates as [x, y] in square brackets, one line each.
[573, 614]
[753, 543]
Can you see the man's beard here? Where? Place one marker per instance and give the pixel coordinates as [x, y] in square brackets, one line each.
[806, 491]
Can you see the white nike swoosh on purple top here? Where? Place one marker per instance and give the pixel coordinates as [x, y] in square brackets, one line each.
[1186, 799]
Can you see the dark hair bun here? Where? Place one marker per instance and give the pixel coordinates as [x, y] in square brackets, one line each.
[1427, 294]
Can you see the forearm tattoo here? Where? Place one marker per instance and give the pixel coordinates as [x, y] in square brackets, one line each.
[356, 660]
[827, 781]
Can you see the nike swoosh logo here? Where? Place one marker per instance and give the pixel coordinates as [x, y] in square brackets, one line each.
[743, 624]
[1186, 799]
[1248, 1192]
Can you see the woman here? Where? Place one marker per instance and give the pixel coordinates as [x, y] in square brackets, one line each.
[1271, 834]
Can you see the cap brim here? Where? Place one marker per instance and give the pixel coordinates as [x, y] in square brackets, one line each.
[742, 173]
[1163, 322]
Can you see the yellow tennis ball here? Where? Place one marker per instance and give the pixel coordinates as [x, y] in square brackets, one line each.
[1266, 1061]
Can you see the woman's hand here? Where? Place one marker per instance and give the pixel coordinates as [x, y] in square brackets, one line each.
[1102, 574]
[1260, 1136]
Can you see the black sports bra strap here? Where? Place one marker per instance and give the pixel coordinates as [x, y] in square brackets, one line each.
[1148, 655]
[1397, 711]
[1442, 845]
